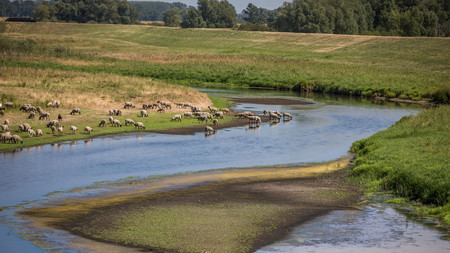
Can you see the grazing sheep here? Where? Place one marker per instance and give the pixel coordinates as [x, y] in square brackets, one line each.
[212, 109]
[254, 120]
[203, 118]
[5, 136]
[2, 112]
[39, 110]
[118, 112]
[50, 104]
[187, 114]
[9, 104]
[53, 128]
[6, 122]
[215, 122]
[128, 105]
[25, 107]
[111, 120]
[88, 129]
[32, 115]
[161, 110]
[129, 122]
[116, 123]
[218, 115]
[240, 115]
[39, 132]
[156, 106]
[111, 112]
[31, 132]
[45, 115]
[195, 109]
[53, 123]
[16, 138]
[26, 126]
[177, 117]
[274, 117]
[139, 125]
[75, 111]
[287, 116]
[21, 127]
[56, 103]
[225, 110]
[144, 113]
[61, 130]
[102, 123]
[59, 117]
[209, 130]
[5, 128]
[73, 129]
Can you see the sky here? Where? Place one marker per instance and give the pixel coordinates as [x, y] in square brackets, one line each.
[239, 4]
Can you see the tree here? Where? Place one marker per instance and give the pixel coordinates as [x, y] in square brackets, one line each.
[171, 17]
[210, 13]
[42, 13]
[192, 19]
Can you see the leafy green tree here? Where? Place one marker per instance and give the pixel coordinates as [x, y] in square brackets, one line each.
[42, 13]
[192, 19]
[171, 17]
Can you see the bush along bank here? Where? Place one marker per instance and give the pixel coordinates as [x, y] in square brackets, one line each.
[410, 159]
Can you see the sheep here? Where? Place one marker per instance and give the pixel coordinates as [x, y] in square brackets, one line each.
[187, 114]
[50, 104]
[26, 126]
[59, 117]
[161, 110]
[5, 128]
[102, 123]
[128, 105]
[6, 122]
[117, 112]
[287, 115]
[25, 107]
[31, 116]
[129, 122]
[177, 117]
[179, 105]
[265, 112]
[111, 120]
[240, 115]
[88, 129]
[53, 128]
[202, 118]
[9, 104]
[209, 130]
[56, 103]
[195, 109]
[274, 116]
[31, 132]
[117, 123]
[1, 104]
[212, 109]
[75, 111]
[53, 123]
[215, 122]
[225, 110]
[45, 115]
[73, 129]
[2, 112]
[139, 125]
[144, 113]
[155, 106]
[111, 112]
[39, 132]
[5, 136]
[218, 115]
[39, 110]
[16, 138]
[254, 120]
[61, 130]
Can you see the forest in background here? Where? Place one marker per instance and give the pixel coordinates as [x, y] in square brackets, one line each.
[376, 17]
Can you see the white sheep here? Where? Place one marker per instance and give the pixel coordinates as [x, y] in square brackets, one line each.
[5, 128]
[129, 122]
[45, 115]
[31, 132]
[6, 122]
[287, 116]
[16, 138]
[53, 128]
[215, 122]
[129, 105]
[75, 111]
[73, 129]
[187, 114]
[88, 129]
[139, 125]
[61, 130]
[111, 120]
[117, 123]
[209, 130]
[39, 132]
[144, 113]
[177, 117]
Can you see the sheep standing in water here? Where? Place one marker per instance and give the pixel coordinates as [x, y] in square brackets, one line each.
[144, 113]
[31, 132]
[75, 111]
[287, 116]
[102, 123]
[139, 125]
[73, 129]
[177, 117]
[38, 132]
[88, 129]
[209, 130]
[129, 122]
[265, 112]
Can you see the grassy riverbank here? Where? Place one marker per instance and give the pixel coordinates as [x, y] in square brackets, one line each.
[410, 159]
[414, 68]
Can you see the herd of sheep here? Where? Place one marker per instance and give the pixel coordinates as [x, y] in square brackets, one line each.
[55, 126]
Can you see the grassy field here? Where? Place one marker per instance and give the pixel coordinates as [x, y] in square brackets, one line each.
[415, 68]
[410, 159]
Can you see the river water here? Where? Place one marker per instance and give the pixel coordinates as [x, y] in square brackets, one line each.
[321, 131]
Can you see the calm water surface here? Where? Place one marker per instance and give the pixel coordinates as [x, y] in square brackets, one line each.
[319, 132]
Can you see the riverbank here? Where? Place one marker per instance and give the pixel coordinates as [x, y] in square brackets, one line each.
[248, 208]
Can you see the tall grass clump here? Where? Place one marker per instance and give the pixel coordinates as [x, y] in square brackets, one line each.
[411, 159]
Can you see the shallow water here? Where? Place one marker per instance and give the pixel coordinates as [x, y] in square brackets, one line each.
[319, 132]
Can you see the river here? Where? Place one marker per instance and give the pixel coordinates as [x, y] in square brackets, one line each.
[321, 131]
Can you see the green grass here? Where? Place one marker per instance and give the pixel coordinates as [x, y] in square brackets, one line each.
[415, 68]
[410, 159]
